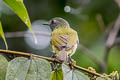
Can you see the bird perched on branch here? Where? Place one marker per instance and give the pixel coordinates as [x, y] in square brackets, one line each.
[64, 39]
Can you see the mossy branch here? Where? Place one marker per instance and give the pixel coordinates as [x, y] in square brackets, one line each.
[50, 60]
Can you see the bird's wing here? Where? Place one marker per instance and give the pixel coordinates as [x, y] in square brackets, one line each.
[66, 40]
[59, 42]
[72, 40]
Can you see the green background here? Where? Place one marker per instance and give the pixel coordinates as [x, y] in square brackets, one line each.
[83, 20]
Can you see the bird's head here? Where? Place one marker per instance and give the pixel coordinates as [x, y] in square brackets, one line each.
[58, 22]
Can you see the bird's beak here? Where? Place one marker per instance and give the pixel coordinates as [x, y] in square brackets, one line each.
[47, 24]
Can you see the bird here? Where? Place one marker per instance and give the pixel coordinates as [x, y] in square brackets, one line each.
[64, 39]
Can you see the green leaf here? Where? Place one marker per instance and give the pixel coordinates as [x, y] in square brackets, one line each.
[39, 70]
[17, 69]
[18, 7]
[72, 74]
[99, 78]
[24, 69]
[2, 35]
[57, 75]
[3, 67]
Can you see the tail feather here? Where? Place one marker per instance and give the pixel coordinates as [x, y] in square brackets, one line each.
[62, 56]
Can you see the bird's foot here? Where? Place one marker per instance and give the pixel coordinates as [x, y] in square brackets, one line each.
[54, 59]
[53, 55]
[72, 63]
[54, 63]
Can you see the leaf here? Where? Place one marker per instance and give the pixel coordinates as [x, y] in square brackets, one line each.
[39, 70]
[57, 75]
[2, 35]
[3, 67]
[17, 69]
[72, 74]
[18, 7]
[23, 69]
[99, 78]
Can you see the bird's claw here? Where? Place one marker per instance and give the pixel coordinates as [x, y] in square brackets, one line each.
[72, 63]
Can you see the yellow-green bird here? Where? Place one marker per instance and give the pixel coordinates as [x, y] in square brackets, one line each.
[64, 39]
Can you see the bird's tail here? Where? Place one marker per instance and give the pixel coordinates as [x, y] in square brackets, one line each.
[62, 56]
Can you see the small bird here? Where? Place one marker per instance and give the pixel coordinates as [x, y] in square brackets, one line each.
[64, 39]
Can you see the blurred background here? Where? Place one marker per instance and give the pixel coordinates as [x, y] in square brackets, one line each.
[92, 19]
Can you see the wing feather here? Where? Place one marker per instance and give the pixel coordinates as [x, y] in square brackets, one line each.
[65, 39]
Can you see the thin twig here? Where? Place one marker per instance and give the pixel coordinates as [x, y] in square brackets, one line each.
[86, 70]
[93, 57]
[49, 59]
[111, 39]
[24, 54]
[100, 22]
[117, 41]
[108, 29]
[23, 33]
[113, 33]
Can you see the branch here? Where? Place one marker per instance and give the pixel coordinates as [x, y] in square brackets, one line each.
[100, 22]
[117, 42]
[23, 33]
[111, 39]
[93, 57]
[50, 60]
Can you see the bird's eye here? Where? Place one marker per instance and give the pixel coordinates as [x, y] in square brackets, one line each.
[53, 21]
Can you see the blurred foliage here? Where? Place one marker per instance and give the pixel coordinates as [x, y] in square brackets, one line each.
[84, 22]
